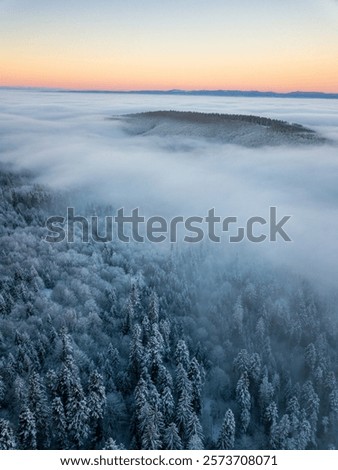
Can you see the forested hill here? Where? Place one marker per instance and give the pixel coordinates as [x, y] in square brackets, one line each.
[237, 129]
[124, 345]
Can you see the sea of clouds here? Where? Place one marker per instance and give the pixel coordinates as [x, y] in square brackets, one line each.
[68, 141]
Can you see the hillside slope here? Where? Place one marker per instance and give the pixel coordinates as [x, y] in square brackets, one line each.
[245, 130]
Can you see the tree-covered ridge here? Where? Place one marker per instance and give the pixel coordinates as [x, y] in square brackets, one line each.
[124, 345]
[211, 118]
[238, 129]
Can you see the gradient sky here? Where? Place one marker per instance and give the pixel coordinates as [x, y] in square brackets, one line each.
[278, 45]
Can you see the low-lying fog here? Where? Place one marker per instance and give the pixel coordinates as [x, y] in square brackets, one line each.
[67, 140]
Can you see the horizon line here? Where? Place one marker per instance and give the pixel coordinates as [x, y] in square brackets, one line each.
[219, 91]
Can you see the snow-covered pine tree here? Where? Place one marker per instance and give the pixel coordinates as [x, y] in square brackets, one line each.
[244, 401]
[154, 308]
[194, 375]
[136, 355]
[171, 438]
[7, 438]
[111, 444]
[96, 401]
[226, 438]
[168, 405]
[182, 354]
[38, 404]
[27, 429]
[195, 443]
[59, 424]
[184, 408]
[280, 433]
[77, 415]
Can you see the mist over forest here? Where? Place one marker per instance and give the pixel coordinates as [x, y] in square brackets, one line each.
[144, 346]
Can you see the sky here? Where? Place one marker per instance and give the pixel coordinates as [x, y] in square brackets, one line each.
[261, 45]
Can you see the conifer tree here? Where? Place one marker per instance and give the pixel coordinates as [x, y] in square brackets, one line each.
[244, 400]
[171, 438]
[226, 439]
[59, 424]
[27, 429]
[7, 438]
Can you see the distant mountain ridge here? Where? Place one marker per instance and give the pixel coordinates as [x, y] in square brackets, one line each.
[239, 93]
[225, 93]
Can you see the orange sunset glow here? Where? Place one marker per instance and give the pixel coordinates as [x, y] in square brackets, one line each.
[122, 46]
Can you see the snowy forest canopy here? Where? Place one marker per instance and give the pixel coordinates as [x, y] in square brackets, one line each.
[111, 346]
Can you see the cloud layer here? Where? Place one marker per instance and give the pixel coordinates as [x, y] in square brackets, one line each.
[67, 140]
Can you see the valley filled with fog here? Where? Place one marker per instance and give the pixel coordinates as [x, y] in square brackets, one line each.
[131, 345]
[69, 142]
